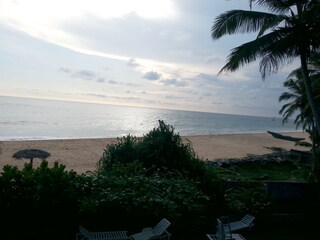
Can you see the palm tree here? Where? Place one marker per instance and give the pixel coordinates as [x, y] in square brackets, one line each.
[290, 29]
[298, 102]
[298, 96]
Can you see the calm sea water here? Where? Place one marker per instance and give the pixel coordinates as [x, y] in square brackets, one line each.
[22, 118]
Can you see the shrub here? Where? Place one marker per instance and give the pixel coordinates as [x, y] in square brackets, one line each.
[157, 175]
[119, 200]
[244, 197]
[37, 197]
[163, 148]
[160, 149]
[124, 151]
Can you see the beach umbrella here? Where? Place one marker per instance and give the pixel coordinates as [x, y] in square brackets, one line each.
[31, 154]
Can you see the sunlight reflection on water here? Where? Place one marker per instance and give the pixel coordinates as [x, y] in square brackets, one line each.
[45, 119]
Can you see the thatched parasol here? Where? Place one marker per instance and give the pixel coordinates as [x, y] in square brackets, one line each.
[31, 154]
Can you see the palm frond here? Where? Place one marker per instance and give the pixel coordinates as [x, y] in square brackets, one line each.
[278, 52]
[297, 73]
[261, 47]
[243, 21]
[287, 96]
[277, 6]
[271, 24]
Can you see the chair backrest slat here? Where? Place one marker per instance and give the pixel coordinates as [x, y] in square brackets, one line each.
[247, 219]
[85, 232]
[220, 230]
[161, 227]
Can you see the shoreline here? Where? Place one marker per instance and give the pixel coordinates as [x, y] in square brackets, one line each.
[18, 139]
[83, 154]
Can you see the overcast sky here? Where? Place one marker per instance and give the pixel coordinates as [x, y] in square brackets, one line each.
[150, 53]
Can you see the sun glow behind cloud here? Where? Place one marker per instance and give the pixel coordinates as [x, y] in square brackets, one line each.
[37, 11]
[45, 19]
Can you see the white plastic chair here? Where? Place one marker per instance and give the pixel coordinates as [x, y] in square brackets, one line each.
[245, 222]
[221, 234]
[158, 232]
[85, 234]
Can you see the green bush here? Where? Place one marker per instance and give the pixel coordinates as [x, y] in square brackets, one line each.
[31, 201]
[157, 176]
[124, 151]
[160, 149]
[163, 148]
[247, 197]
[150, 196]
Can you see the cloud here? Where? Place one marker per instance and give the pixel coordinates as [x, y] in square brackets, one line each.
[132, 84]
[217, 103]
[94, 95]
[173, 97]
[152, 75]
[65, 70]
[112, 82]
[101, 80]
[133, 63]
[84, 74]
[207, 77]
[174, 82]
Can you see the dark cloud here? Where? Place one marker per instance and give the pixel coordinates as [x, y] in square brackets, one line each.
[84, 74]
[207, 94]
[101, 80]
[152, 75]
[207, 77]
[132, 63]
[217, 103]
[95, 95]
[173, 97]
[174, 82]
[65, 70]
[216, 60]
[112, 82]
[132, 84]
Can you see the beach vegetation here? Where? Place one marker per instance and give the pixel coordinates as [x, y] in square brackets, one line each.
[292, 170]
[147, 198]
[168, 175]
[161, 149]
[127, 195]
[34, 200]
[297, 102]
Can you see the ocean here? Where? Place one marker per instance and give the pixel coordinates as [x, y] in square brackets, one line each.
[34, 119]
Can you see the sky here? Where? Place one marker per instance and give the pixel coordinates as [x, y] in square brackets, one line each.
[147, 53]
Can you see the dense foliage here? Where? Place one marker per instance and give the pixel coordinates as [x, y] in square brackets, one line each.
[158, 161]
[34, 201]
[138, 182]
[160, 149]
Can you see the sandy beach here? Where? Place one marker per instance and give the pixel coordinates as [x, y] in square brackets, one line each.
[82, 155]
